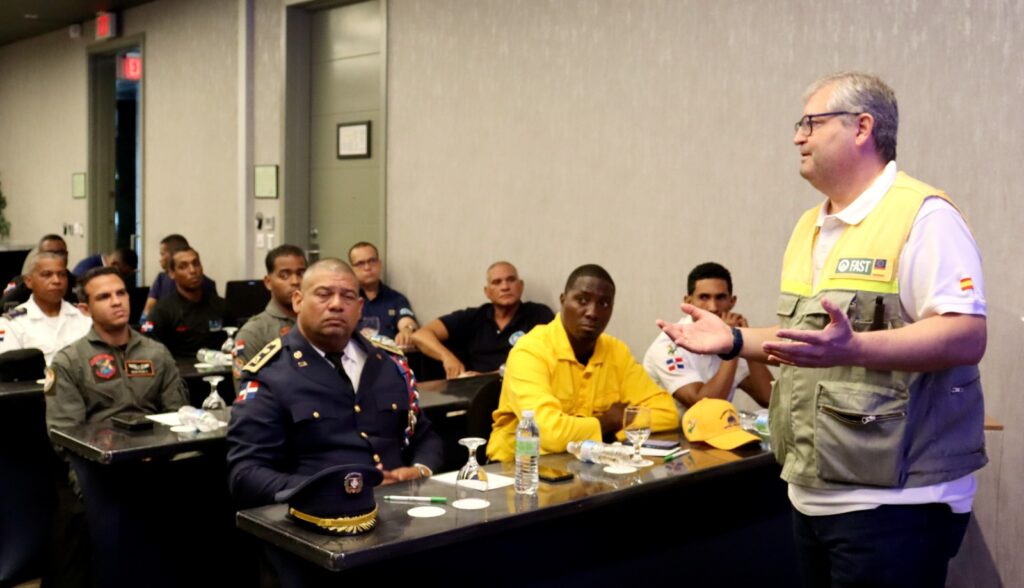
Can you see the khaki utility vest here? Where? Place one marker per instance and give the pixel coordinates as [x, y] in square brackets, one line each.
[838, 427]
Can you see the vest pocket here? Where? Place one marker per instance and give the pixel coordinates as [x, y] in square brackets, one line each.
[858, 433]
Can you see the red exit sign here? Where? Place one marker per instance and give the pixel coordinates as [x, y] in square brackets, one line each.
[131, 67]
[106, 26]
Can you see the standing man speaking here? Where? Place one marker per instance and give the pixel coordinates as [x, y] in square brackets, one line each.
[877, 414]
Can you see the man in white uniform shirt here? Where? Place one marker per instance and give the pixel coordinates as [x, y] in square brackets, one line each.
[46, 322]
[877, 415]
[690, 377]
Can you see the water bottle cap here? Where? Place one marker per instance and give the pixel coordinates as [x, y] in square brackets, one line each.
[527, 414]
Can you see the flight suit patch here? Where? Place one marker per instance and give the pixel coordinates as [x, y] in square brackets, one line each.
[139, 368]
[103, 366]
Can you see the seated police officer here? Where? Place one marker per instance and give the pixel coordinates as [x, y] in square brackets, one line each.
[112, 370]
[479, 339]
[285, 266]
[323, 395]
[17, 292]
[45, 322]
[191, 317]
[391, 307]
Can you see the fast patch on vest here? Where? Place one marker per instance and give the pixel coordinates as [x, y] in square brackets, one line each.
[103, 366]
[865, 267]
[139, 368]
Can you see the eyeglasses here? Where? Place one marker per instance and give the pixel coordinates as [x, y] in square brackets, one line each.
[805, 126]
[366, 263]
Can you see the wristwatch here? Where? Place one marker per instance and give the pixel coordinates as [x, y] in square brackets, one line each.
[737, 345]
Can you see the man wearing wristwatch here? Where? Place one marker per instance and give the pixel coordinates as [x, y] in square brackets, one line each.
[877, 415]
[391, 307]
[323, 395]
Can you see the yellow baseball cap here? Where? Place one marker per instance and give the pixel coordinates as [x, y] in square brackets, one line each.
[716, 422]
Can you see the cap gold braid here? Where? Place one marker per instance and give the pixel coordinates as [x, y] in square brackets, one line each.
[346, 525]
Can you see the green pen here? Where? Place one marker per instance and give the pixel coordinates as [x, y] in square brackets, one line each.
[428, 499]
[675, 455]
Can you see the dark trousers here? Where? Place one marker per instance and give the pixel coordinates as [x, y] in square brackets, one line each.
[904, 546]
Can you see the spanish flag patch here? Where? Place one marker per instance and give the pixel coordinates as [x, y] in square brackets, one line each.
[966, 284]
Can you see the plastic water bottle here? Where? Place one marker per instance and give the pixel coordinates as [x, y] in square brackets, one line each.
[213, 357]
[527, 454]
[198, 418]
[597, 452]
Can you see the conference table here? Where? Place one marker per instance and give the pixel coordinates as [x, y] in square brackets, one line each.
[157, 500]
[711, 516]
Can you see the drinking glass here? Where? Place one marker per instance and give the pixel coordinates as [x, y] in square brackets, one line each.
[636, 422]
[471, 476]
[229, 343]
[213, 401]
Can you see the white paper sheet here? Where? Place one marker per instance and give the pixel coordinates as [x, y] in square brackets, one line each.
[494, 481]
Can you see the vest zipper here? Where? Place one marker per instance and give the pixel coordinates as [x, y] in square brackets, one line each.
[861, 419]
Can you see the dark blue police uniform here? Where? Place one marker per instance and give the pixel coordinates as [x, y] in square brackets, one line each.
[295, 416]
[390, 306]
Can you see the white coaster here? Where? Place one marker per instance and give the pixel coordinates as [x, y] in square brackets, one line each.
[425, 512]
[619, 469]
[471, 504]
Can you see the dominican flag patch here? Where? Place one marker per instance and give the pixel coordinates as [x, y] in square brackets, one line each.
[146, 327]
[248, 391]
[674, 363]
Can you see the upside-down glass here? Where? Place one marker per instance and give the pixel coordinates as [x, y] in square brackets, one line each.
[229, 344]
[636, 422]
[213, 401]
[471, 476]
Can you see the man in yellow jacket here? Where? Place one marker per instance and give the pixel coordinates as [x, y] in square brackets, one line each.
[576, 379]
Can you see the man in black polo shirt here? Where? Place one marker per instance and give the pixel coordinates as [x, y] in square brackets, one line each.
[391, 307]
[191, 317]
[479, 339]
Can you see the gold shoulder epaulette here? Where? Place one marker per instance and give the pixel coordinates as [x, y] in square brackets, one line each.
[265, 355]
[388, 346]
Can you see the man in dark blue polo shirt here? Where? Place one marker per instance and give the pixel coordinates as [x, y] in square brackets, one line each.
[390, 307]
[479, 339]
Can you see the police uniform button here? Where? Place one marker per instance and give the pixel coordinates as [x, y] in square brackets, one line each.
[358, 409]
[376, 458]
[316, 414]
[364, 435]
